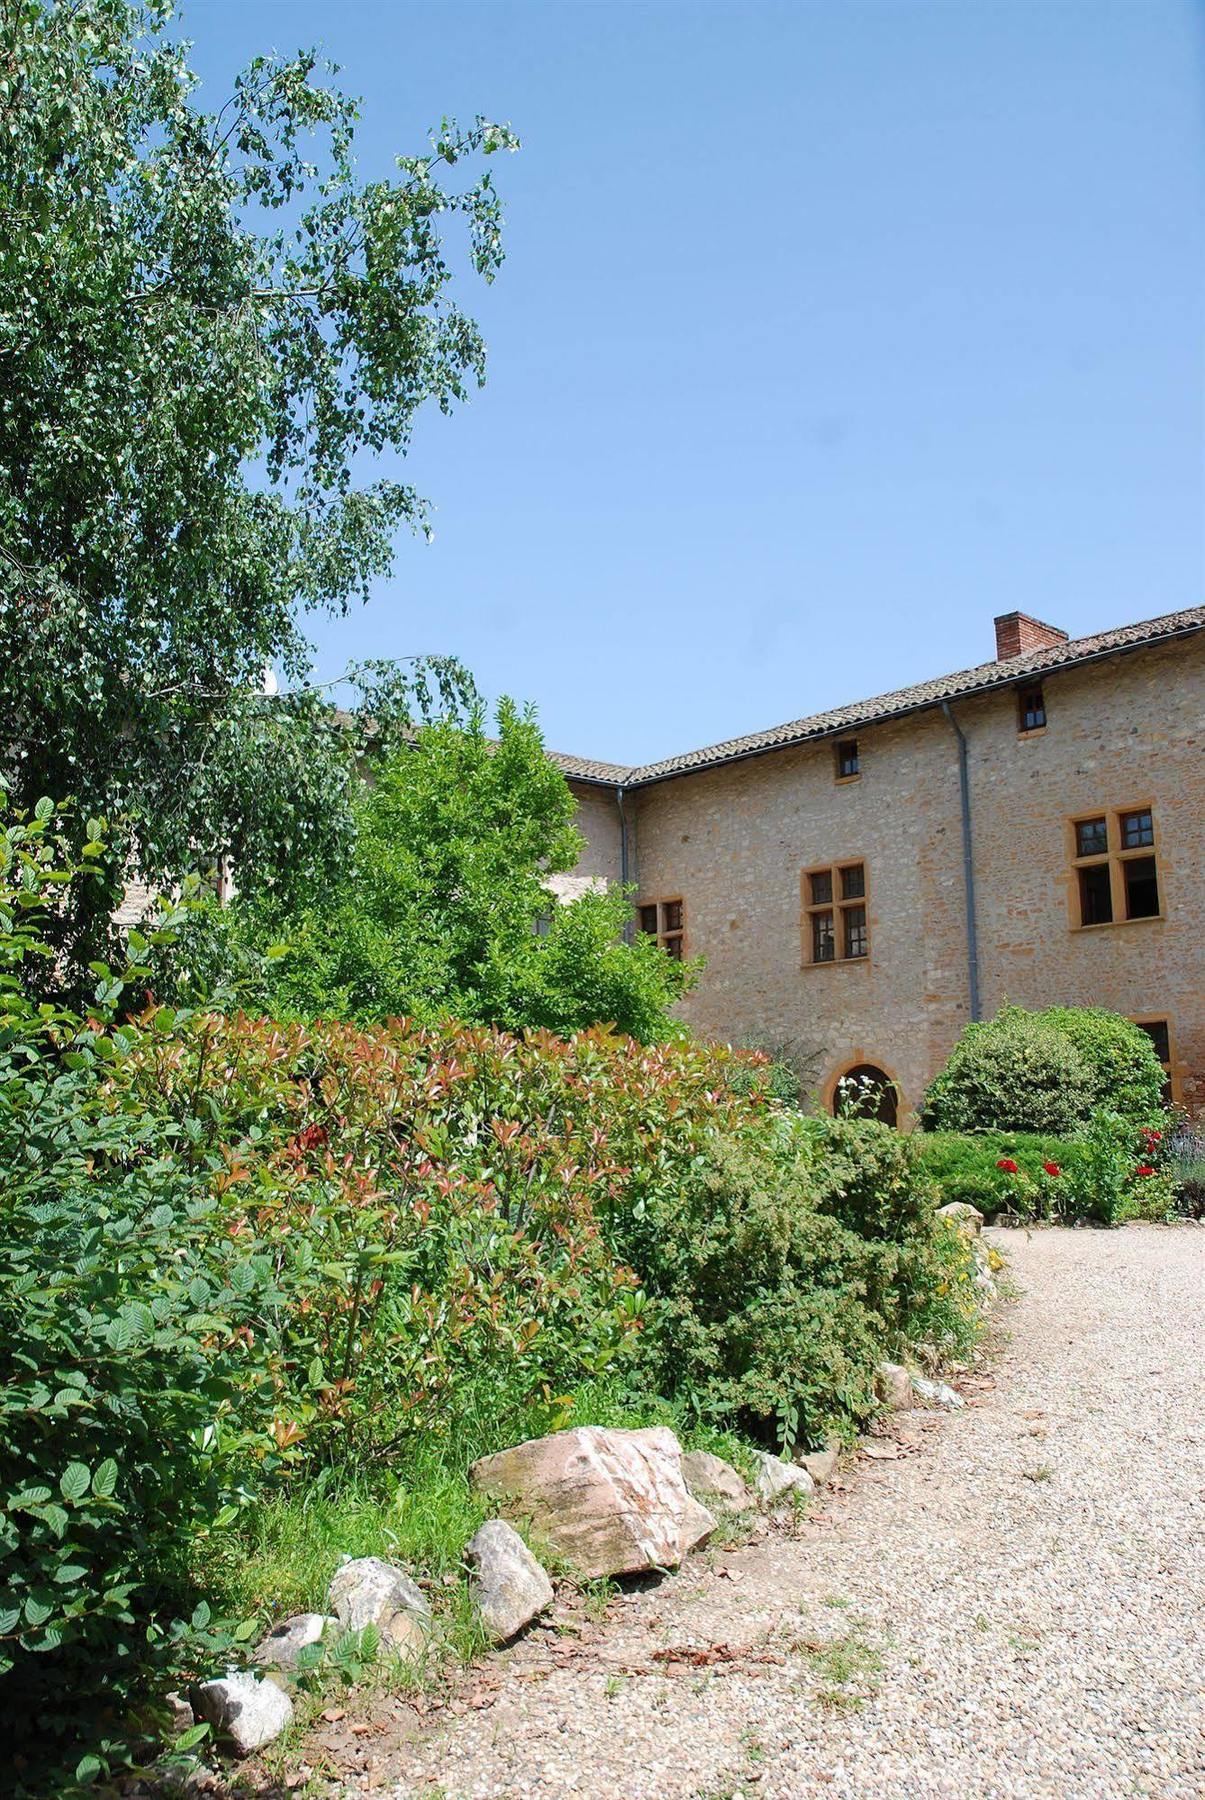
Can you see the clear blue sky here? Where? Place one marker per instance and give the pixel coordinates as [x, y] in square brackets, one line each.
[826, 332]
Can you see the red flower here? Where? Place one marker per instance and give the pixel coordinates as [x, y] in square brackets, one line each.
[1144, 1169]
[1008, 1165]
[1152, 1137]
[1052, 1168]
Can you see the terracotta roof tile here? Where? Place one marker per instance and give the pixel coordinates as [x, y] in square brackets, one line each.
[889, 706]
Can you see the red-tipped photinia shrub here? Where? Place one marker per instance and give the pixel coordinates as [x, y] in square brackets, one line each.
[440, 1191]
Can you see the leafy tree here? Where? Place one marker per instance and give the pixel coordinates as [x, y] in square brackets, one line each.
[208, 323]
[443, 907]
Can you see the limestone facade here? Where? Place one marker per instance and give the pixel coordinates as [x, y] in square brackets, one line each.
[734, 835]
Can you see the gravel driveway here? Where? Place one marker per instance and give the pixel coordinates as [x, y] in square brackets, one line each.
[1012, 1605]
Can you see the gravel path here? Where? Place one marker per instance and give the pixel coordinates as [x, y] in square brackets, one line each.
[1014, 1606]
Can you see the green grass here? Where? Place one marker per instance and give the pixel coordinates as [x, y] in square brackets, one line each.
[846, 1669]
[419, 1511]
[281, 1554]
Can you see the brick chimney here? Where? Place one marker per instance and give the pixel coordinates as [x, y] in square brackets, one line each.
[1017, 634]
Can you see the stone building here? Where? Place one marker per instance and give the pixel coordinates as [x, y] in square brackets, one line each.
[863, 882]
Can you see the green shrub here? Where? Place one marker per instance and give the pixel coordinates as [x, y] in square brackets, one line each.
[240, 1256]
[1015, 1072]
[136, 1390]
[769, 1308]
[967, 1167]
[1125, 1075]
[1046, 1072]
[1111, 1170]
[866, 1175]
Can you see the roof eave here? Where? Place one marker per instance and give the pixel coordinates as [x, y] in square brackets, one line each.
[639, 778]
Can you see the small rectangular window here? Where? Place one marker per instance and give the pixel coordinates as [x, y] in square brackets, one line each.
[1137, 830]
[847, 759]
[1142, 887]
[1096, 895]
[821, 885]
[1160, 1035]
[1091, 837]
[835, 922]
[1031, 709]
[1115, 868]
[666, 921]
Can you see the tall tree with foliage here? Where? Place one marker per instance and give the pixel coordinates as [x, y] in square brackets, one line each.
[443, 908]
[209, 325]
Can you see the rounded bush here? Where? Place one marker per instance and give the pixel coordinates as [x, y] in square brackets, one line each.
[1124, 1073]
[1016, 1072]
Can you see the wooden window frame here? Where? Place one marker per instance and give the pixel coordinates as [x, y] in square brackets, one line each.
[664, 935]
[1024, 692]
[838, 745]
[837, 907]
[1114, 856]
[1172, 1066]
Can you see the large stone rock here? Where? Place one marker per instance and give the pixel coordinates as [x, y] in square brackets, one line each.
[285, 1642]
[776, 1480]
[984, 1279]
[697, 1525]
[509, 1588]
[936, 1393]
[963, 1214]
[893, 1385]
[369, 1591]
[715, 1482]
[821, 1465]
[245, 1712]
[180, 1713]
[610, 1502]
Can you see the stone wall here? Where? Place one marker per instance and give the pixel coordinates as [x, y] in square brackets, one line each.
[731, 842]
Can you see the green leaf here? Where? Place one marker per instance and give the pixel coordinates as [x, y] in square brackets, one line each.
[120, 1333]
[75, 1482]
[104, 1481]
[28, 1497]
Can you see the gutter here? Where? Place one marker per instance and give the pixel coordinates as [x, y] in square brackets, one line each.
[968, 863]
[624, 871]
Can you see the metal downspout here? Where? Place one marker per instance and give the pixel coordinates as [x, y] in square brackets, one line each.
[624, 875]
[968, 863]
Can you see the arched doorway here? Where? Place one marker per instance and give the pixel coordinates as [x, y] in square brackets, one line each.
[869, 1092]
